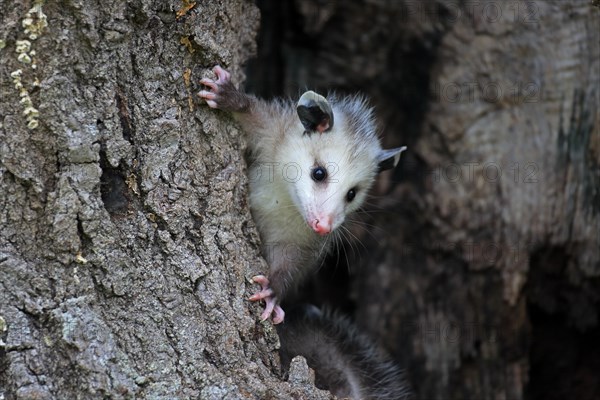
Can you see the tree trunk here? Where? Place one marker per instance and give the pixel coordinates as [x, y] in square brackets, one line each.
[481, 273]
[126, 244]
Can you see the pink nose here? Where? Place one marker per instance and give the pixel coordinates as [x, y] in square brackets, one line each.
[322, 226]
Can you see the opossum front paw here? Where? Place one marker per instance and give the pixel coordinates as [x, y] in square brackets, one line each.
[216, 96]
[266, 294]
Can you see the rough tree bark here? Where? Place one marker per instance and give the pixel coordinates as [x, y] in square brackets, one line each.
[125, 239]
[483, 268]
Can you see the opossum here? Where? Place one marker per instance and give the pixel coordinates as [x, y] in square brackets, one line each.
[312, 165]
[346, 362]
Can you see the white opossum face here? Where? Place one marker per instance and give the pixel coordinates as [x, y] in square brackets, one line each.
[332, 182]
[331, 167]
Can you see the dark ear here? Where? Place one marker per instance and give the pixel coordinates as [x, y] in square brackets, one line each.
[315, 112]
[389, 158]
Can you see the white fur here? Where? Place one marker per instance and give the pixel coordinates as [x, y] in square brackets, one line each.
[283, 196]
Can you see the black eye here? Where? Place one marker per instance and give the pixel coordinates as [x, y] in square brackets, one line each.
[350, 195]
[319, 173]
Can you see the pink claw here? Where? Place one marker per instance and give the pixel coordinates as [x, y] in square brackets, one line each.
[205, 94]
[266, 294]
[210, 83]
[269, 307]
[263, 294]
[210, 97]
[261, 280]
[222, 75]
[279, 315]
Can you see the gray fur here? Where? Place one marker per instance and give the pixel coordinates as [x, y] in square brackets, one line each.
[297, 219]
[345, 361]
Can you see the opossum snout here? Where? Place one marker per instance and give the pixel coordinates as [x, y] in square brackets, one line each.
[321, 225]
